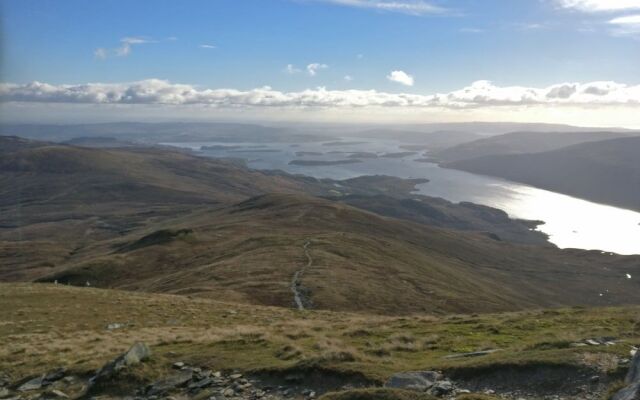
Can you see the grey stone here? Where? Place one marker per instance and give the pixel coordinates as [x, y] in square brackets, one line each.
[441, 388]
[4, 392]
[32, 384]
[135, 355]
[633, 376]
[631, 392]
[172, 382]
[201, 383]
[54, 376]
[413, 380]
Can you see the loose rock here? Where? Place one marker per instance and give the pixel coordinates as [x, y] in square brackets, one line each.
[413, 380]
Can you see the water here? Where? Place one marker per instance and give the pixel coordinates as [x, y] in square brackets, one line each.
[570, 222]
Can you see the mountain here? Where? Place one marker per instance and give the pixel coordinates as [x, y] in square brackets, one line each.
[520, 143]
[419, 140]
[158, 220]
[605, 171]
[161, 132]
[442, 213]
[501, 128]
[288, 353]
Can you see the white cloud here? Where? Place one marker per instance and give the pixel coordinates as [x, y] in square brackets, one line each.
[207, 46]
[348, 78]
[480, 94]
[313, 68]
[600, 5]
[626, 26]
[411, 7]
[400, 77]
[100, 53]
[125, 47]
[471, 30]
[291, 69]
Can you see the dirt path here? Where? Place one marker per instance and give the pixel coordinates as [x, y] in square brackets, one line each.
[296, 286]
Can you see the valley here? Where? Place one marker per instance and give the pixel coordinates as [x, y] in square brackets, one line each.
[349, 278]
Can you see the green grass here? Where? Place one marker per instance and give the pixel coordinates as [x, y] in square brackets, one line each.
[47, 326]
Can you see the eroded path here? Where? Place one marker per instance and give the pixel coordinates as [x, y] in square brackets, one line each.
[299, 296]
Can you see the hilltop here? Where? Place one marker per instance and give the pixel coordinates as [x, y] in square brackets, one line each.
[521, 143]
[536, 353]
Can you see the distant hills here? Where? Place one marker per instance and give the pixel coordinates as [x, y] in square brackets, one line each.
[160, 132]
[605, 171]
[520, 143]
[157, 220]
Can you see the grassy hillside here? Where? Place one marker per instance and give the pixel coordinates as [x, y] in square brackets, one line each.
[520, 143]
[57, 326]
[442, 213]
[606, 171]
[250, 252]
[163, 221]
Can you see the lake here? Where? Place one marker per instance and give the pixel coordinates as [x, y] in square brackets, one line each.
[570, 222]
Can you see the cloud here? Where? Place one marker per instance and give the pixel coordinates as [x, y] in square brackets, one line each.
[626, 26]
[410, 7]
[480, 94]
[592, 6]
[530, 26]
[312, 69]
[291, 69]
[400, 77]
[100, 53]
[126, 45]
[207, 46]
[471, 30]
[128, 42]
[348, 78]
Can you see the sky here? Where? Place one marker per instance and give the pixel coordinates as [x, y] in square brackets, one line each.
[560, 61]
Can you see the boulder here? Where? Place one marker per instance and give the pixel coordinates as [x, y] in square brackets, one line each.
[54, 376]
[32, 384]
[135, 355]
[413, 380]
[631, 392]
[174, 381]
[441, 388]
[633, 375]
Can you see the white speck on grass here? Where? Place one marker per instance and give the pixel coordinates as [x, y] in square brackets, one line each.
[628, 276]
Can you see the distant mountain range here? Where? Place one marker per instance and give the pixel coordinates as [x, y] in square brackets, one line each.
[520, 143]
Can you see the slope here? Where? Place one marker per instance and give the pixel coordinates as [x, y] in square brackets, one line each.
[519, 143]
[606, 171]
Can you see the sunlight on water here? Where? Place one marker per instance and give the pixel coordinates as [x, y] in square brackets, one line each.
[572, 222]
[569, 222]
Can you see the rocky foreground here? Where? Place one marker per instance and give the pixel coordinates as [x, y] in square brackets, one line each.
[115, 380]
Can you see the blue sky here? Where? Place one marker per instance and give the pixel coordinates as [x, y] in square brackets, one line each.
[442, 45]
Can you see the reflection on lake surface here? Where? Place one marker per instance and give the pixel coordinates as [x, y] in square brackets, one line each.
[569, 222]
